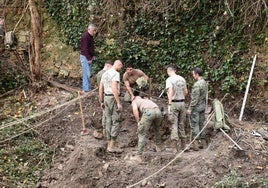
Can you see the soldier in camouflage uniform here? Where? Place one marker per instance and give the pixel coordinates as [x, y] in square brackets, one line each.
[109, 91]
[107, 66]
[197, 107]
[151, 116]
[177, 90]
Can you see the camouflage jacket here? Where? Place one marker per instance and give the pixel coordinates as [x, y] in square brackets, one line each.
[198, 95]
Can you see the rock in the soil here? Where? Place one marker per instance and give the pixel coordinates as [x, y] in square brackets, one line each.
[263, 132]
[69, 147]
[60, 167]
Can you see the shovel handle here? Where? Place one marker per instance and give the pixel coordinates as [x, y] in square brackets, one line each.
[81, 111]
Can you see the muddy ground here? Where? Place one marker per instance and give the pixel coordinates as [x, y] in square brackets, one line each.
[82, 161]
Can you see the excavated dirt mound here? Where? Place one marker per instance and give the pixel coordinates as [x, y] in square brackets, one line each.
[82, 161]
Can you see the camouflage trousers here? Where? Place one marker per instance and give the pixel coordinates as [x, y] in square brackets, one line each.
[150, 117]
[112, 118]
[197, 119]
[103, 120]
[177, 119]
[2, 45]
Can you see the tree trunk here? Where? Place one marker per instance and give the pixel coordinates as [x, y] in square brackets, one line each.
[35, 46]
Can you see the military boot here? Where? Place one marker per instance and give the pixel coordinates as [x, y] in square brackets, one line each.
[136, 159]
[97, 134]
[195, 145]
[203, 143]
[174, 145]
[108, 145]
[112, 148]
[183, 143]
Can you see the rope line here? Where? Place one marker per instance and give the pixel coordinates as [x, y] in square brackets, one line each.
[33, 128]
[46, 111]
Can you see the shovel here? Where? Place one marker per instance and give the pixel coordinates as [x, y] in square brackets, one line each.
[84, 130]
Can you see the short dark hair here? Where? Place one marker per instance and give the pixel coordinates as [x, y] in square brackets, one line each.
[198, 71]
[136, 92]
[129, 65]
[171, 66]
[110, 62]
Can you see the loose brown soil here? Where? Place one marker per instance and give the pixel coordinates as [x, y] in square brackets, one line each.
[82, 161]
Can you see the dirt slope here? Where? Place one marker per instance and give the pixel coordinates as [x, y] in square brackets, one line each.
[82, 161]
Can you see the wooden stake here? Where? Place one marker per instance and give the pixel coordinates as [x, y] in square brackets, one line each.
[84, 130]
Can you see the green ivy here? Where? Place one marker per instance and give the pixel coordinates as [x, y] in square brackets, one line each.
[23, 161]
[233, 179]
[151, 40]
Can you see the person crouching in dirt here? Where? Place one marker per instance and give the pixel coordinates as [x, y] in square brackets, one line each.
[151, 116]
[109, 91]
[197, 107]
[176, 91]
[108, 64]
[130, 78]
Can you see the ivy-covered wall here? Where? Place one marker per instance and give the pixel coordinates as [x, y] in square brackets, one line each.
[214, 35]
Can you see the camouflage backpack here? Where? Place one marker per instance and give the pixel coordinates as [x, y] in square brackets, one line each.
[221, 119]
